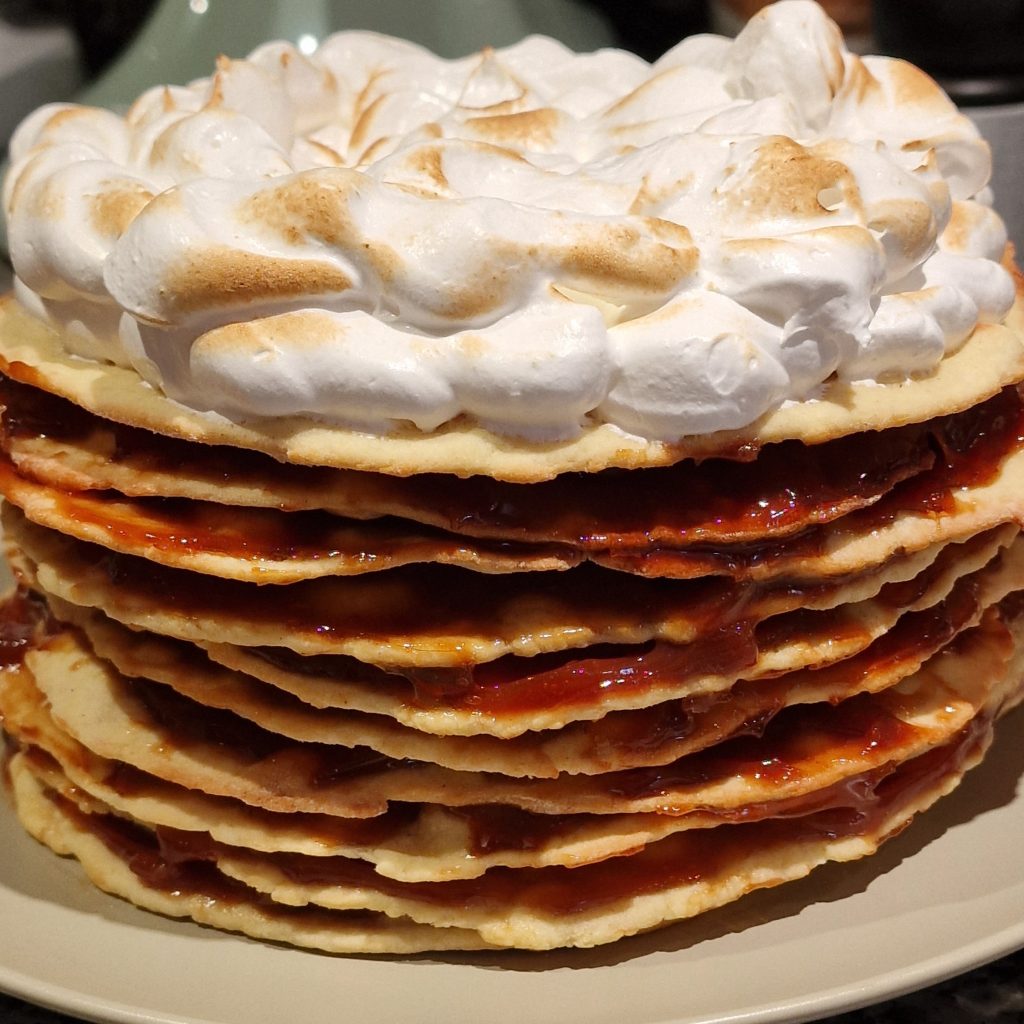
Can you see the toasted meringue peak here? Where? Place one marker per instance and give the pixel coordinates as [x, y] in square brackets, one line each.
[532, 238]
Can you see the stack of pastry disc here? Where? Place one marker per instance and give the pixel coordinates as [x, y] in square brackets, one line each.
[272, 678]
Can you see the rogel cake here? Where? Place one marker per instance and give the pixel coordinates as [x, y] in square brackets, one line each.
[517, 501]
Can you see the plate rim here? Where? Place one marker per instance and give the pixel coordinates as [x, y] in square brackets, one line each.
[815, 1002]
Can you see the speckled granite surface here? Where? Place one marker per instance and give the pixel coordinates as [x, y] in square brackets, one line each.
[989, 995]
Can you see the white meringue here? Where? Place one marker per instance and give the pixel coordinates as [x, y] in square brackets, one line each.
[535, 239]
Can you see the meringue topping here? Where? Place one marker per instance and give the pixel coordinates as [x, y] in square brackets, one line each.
[536, 239]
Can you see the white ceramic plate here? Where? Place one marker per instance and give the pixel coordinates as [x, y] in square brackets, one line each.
[943, 897]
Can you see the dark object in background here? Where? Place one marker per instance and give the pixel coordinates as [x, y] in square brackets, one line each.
[40, 63]
[650, 27]
[852, 16]
[975, 48]
[102, 26]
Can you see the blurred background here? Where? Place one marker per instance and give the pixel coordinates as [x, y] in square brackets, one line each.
[107, 51]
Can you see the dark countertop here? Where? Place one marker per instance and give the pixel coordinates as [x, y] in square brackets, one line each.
[989, 995]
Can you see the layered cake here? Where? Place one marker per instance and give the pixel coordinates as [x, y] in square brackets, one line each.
[518, 501]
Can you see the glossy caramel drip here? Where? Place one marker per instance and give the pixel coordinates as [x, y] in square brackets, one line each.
[749, 706]
[177, 526]
[515, 685]
[429, 602]
[789, 488]
[859, 807]
[172, 867]
[129, 781]
[148, 859]
[187, 724]
[792, 746]
[25, 622]
[971, 447]
[621, 739]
